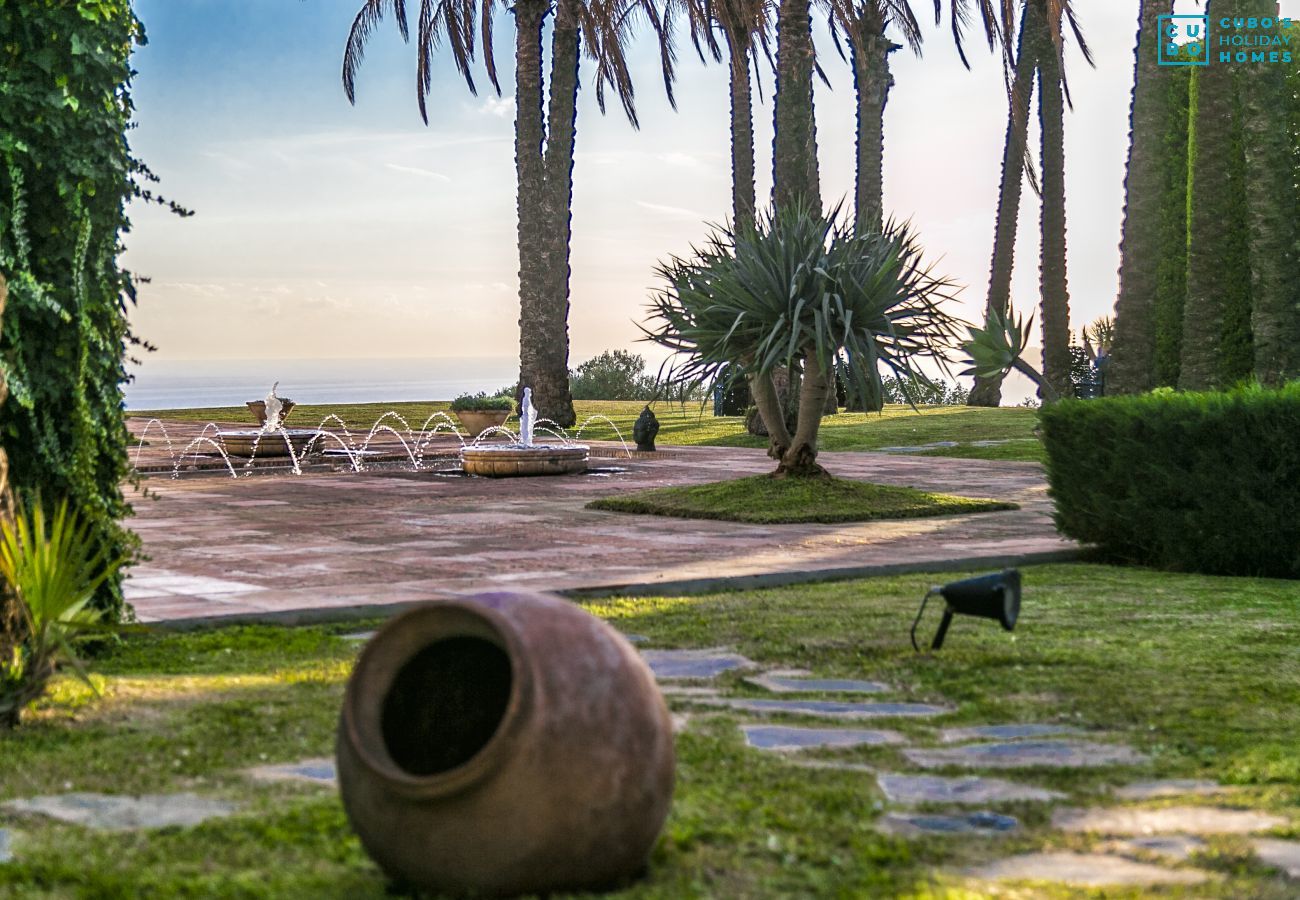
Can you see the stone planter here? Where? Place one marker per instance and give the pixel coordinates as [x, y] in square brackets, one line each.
[477, 421]
[258, 409]
[502, 744]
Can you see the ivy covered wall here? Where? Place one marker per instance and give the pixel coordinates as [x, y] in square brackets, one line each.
[66, 174]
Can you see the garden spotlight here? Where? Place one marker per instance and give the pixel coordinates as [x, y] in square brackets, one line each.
[994, 597]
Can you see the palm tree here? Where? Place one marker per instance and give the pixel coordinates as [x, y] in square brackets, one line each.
[987, 390]
[745, 26]
[1053, 284]
[1271, 213]
[544, 142]
[1209, 228]
[1132, 367]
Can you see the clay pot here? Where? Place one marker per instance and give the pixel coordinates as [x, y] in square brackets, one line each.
[505, 743]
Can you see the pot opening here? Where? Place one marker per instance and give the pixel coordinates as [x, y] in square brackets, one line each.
[445, 704]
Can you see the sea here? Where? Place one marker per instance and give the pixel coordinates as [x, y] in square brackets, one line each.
[189, 384]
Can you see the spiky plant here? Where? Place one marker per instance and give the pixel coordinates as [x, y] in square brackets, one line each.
[997, 348]
[799, 289]
[54, 566]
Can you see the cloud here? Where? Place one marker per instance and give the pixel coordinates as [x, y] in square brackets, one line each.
[674, 212]
[414, 170]
[501, 107]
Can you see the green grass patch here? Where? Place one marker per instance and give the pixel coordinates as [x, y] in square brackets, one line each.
[695, 425]
[764, 500]
[1199, 673]
[1017, 450]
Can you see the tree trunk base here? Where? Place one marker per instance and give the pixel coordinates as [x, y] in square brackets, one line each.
[800, 462]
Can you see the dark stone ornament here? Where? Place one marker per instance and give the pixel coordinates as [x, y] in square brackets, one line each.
[645, 429]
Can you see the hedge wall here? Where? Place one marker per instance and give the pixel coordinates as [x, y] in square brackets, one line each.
[66, 174]
[1198, 482]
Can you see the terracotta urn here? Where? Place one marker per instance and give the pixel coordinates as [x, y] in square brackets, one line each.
[502, 744]
[477, 421]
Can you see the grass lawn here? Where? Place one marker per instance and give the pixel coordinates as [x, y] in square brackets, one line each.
[896, 426]
[765, 500]
[1200, 673]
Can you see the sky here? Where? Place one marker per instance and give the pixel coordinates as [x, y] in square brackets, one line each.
[324, 230]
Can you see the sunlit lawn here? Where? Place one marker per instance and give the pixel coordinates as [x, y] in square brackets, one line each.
[1200, 673]
[684, 426]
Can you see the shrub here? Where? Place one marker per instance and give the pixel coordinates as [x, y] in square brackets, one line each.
[1200, 482]
[934, 392]
[482, 402]
[54, 566]
[614, 375]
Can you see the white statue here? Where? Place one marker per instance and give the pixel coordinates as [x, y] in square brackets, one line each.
[527, 418]
[274, 411]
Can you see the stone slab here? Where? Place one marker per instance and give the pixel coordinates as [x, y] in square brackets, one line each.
[1083, 870]
[1133, 821]
[1173, 847]
[6, 847]
[786, 738]
[358, 637]
[678, 664]
[634, 638]
[782, 684]
[1026, 754]
[110, 812]
[975, 823]
[913, 789]
[1170, 787]
[312, 771]
[1284, 855]
[688, 691]
[829, 709]
[1003, 732]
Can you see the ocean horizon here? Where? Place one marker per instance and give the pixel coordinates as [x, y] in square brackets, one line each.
[191, 384]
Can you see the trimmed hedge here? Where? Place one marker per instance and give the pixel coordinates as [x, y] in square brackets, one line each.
[1198, 482]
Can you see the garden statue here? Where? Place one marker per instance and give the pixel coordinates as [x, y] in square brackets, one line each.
[644, 431]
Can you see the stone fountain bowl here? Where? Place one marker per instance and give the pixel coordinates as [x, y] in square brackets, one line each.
[513, 460]
[243, 442]
[258, 409]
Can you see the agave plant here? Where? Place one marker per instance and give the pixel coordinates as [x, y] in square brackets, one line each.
[998, 347]
[802, 289]
[54, 565]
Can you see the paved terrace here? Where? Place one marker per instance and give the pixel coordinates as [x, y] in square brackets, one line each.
[340, 544]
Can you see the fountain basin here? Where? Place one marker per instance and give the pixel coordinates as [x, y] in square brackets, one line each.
[514, 460]
[246, 443]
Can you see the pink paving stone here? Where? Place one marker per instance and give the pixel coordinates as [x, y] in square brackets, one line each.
[331, 539]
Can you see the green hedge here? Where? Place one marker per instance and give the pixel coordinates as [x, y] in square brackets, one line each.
[1199, 482]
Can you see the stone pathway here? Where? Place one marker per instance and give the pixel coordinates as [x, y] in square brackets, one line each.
[6, 853]
[334, 545]
[1143, 843]
[109, 812]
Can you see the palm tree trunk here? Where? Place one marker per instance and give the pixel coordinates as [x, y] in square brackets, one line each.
[1209, 227]
[1271, 213]
[530, 134]
[1054, 287]
[1171, 287]
[800, 460]
[552, 385]
[871, 84]
[743, 201]
[1132, 368]
[988, 391]
[794, 146]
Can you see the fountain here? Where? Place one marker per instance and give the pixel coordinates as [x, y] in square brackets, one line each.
[523, 457]
[271, 412]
